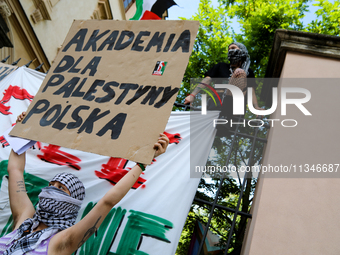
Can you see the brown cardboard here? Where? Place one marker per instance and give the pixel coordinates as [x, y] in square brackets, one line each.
[123, 53]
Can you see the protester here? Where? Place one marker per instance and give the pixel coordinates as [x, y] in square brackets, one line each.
[51, 228]
[237, 72]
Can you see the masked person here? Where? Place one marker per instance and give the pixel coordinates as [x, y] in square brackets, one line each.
[237, 73]
[50, 229]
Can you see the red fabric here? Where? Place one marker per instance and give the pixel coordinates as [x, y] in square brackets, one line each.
[173, 138]
[114, 170]
[54, 155]
[150, 15]
[17, 93]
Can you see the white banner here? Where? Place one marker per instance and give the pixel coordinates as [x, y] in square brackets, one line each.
[151, 216]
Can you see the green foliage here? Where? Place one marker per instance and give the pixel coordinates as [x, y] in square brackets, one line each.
[258, 21]
[210, 46]
[184, 242]
[328, 18]
[229, 194]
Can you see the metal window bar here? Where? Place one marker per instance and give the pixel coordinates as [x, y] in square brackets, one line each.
[246, 178]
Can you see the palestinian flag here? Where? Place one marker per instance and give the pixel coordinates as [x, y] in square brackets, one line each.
[151, 9]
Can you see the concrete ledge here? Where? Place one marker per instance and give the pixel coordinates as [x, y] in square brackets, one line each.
[296, 41]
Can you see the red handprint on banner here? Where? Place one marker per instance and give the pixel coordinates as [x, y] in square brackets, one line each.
[173, 138]
[17, 93]
[37, 145]
[3, 141]
[114, 170]
[54, 155]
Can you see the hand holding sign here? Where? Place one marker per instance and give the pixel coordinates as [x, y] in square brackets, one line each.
[161, 145]
[112, 87]
[21, 117]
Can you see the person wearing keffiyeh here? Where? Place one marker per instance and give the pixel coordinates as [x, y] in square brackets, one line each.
[51, 228]
[236, 71]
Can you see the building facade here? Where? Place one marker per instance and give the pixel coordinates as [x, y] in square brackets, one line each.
[34, 30]
[295, 211]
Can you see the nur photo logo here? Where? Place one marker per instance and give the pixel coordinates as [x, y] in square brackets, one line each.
[288, 96]
[209, 90]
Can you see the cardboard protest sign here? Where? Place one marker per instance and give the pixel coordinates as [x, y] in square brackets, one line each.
[6, 69]
[160, 217]
[111, 88]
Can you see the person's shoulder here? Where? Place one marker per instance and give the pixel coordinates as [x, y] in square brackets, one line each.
[219, 70]
[251, 82]
[212, 70]
[223, 64]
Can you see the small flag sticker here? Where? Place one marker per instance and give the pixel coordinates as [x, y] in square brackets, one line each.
[159, 68]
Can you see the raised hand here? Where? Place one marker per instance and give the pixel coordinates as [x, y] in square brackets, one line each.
[161, 145]
[21, 117]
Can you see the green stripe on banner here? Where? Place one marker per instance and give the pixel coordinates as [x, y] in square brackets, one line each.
[139, 11]
[139, 224]
[33, 185]
[101, 242]
[8, 227]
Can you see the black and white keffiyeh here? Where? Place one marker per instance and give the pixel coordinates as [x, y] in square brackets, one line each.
[73, 184]
[55, 208]
[239, 55]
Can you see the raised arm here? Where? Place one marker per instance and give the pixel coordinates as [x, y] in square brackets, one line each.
[189, 99]
[21, 206]
[69, 240]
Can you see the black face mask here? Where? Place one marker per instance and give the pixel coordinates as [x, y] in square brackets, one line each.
[236, 55]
